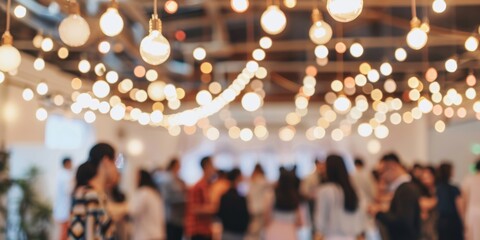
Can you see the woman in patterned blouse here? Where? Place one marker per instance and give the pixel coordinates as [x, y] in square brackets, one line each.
[89, 217]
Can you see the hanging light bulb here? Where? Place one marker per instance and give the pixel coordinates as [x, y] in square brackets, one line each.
[344, 10]
[356, 50]
[471, 44]
[416, 38]
[74, 30]
[439, 6]
[39, 64]
[111, 23]
[273, 20]
[239, 6]
[155, 48]
[320, 32]
[10, 57]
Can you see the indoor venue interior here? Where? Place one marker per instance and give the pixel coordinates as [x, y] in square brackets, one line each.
[239, 120]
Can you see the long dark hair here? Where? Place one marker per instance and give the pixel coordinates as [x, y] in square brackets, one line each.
[85, 173]
[444, 172]
[286, 194]
[337, 174]
[146, 180]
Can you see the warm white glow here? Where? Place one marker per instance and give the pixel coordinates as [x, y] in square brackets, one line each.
[342, 104]
[273, 20]
[258, 54]
[151, 75]
[155, 89]
[451, 65]
[89, 117]
[20, 11]
[101, 89]
[373, 75]
[171, 6]
[199, 53]
[246, 134]
[156, 116]
[337, 135]
[265, 42]
[117, 112]
[42, 88]
[213, 134]
[104, 47]
[111, 23]
[374, 146]
[365, 130]
[27, 94]
[37, 40]
[386, 69]
[111, 77]
[74, 30]
[345, 10]
[126, 85]
[135, 147]
[10, 58]
[320, 32]
[84, 66]
[47, 44]
[252, 66]
[290, 3]
[425, 105]
[417, 38]
[439, 6]
[471, 44]
[203, 97]
[251, 101]
[239, 5]
[39, 64]
[390, 86]
[440, 126]
[356, 50]
[63, 53]
[321, 51]
[287, 134]
[381, 132]
[400, 54]
[155, 48]
[41, 114]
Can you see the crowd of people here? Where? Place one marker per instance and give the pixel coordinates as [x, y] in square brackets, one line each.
[388, 202]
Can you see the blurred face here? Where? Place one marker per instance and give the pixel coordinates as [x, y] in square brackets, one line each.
[388, 171]
[209, 170]
[322, 168]
[68, 165]
[176, 168]
[111, 173]
[427, 178]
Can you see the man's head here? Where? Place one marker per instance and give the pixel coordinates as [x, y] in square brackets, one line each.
[320, 167]
[391, 167]
[174, 166]
[359, 163]
[102, 157]
[207, 166]
[67, 163]
[235, 176]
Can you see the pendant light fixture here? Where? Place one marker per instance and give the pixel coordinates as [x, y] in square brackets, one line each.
[273, 20]
[74, 30]
[320, 32]
[345, 10]
[10, 57]
[155, 48]
[417, 37]
[111, 23]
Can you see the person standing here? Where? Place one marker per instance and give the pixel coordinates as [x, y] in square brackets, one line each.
[402, 219]
[259, 198]
[89, 217]
[428, 204]
[147, 210]
[174, 192]
[309, 185]
[449, 225]
[200, 210]
[62, 202]
[337, 203]
[233, 211]
[285, 219]
[363, 180]
[471, 195]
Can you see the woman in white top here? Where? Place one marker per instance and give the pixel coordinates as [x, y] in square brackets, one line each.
[471, 196]
[147, 210]
[338, 215]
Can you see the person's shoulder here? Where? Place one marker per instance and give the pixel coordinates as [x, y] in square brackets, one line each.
[327, 188]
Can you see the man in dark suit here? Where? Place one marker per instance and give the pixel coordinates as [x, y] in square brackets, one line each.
[402, 220]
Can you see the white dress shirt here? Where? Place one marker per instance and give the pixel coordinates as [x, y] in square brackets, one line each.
[63, 192]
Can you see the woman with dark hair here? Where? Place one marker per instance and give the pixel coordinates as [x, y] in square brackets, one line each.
[449, 224]
[338, 212]
[90, 218]
[147, 210]
[286, 214]
[428, 204]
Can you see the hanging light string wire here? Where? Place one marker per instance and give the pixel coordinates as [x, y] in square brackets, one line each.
[7, 28]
